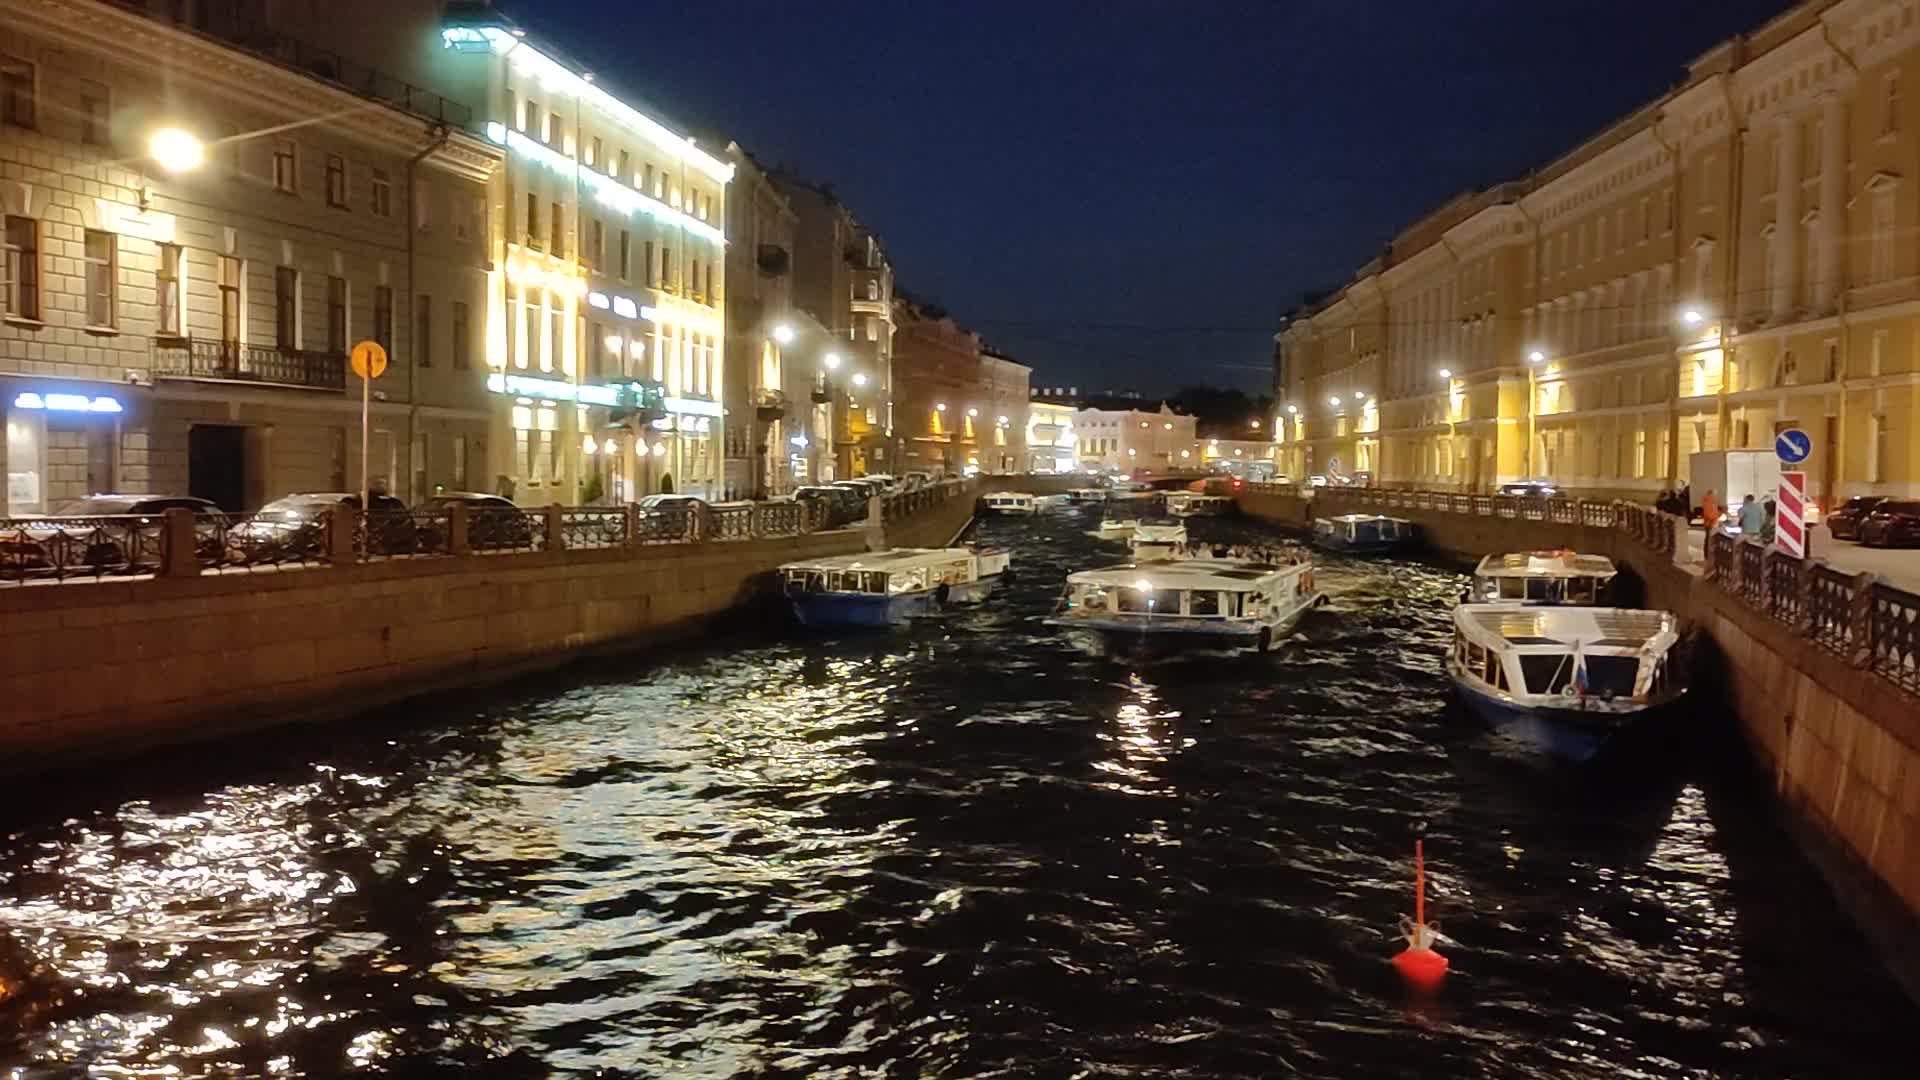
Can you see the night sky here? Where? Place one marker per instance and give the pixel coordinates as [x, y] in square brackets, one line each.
[1128, 194]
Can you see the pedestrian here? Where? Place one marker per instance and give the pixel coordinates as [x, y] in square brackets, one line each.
[1709, 510]
[1752, 516]
[1664, 503]
[1766, 527]
[1683, 499]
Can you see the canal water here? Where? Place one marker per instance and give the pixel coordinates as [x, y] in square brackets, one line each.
[969, 849]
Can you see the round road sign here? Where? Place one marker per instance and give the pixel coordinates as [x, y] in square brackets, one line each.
[369, 360]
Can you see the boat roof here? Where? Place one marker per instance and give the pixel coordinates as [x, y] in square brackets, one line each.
[1545, 564]
[1148, 531]
[1623, 628]
[1232, 574]
[891, 560]
[1355, 519]
[1010, 495]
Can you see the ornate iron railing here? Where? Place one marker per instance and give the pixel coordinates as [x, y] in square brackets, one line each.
[1786, 584]
[730, 523]
[593, 527]
[498, 529]
[388, 534]
[1893, 635]
[667, 525]
[781, 519]
[198, 358]
[241, 541]
[1830, 609]
[65, 547]
[1751, 559]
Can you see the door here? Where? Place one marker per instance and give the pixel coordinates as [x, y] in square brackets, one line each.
[217, 465]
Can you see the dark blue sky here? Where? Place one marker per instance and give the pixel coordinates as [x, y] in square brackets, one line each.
[1125, 193]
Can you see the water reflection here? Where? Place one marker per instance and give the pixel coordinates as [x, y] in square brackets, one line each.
[969, 849]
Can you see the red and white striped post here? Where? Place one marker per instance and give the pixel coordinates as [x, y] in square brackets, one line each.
[1790, 515]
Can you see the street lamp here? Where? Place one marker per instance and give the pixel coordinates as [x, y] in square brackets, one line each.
[940, 406]
[831, 360]
[1534, 359]
[973, 412]
[1334, 401]
[783, 334]
[176, 150]
[1446, 373]
[859, 378]
[1692, 317]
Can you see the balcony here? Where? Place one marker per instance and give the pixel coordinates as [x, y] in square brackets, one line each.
[189, 358]
[769, 405]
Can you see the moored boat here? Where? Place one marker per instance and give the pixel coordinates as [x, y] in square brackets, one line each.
[1198, 504]
[1541, 577]
[1209, 603]
[1564, 680]
[1362, 534]
[1009, 502]
[1155, 542]
[1115, 529]
[1086, 496]
[883, 588]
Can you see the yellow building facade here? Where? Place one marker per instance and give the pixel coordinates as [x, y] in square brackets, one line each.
[1732, 259]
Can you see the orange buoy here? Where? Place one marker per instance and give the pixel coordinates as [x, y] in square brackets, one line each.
[1418, 963]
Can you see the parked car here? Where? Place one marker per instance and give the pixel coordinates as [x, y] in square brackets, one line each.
[668, 522]
[1534, 489]
[132, 546]
[1894, 523]
[494, 523]
[293, 527]
[832, 505]
[1844, 523]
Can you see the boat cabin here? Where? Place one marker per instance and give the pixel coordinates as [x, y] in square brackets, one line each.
[1009, 502]
[1197, 504]
[883, 573]
[1363, 530]
[1550, 653]
[1541, 577]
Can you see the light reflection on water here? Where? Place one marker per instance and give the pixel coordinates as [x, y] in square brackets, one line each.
[973, 848]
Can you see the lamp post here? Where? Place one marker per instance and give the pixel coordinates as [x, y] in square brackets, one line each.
[1534, 359]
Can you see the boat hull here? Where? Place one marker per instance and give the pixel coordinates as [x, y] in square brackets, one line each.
[839, 609]
[1570, 733]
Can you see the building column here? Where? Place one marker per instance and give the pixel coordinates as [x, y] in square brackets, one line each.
[1833, 164]
[1786, 215]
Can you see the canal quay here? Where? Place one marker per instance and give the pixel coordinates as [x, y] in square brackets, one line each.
[971, 847]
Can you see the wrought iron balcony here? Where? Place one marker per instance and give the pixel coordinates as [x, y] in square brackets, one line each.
[194, 358]
[769, 404]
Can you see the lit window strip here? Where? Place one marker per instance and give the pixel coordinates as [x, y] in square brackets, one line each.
[606, 190]
[554, 76]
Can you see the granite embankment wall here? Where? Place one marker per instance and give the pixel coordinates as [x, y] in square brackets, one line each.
[98, 668]
[1839, 742]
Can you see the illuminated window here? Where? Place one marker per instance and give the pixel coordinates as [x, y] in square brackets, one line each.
[286, 166]
[533, 221]
[558, 223]
[102, 261]
[168, 289]
[593, 151]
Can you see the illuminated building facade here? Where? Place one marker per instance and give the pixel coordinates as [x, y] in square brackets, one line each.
[1122, 440]
[1003, 405]
[763, 417]
[182, 327]
[606, 334]
[1726, 262]
[1050, 436]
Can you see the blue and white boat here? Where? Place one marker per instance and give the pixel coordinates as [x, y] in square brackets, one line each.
[1564, 680]
[886, 588]
[1362, 534]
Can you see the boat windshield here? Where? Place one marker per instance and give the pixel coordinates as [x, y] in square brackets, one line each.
[1578, 589]
[1150, 601]
[1554, 673]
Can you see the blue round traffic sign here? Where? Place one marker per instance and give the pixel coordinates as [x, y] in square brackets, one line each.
[1793, 446]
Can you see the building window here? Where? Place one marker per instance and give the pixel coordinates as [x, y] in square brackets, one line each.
[625, 172]
[168, 289]
[1879, 447]
[558, 223]
[533, 221]
[529, 115]
[382, 193]
[554, 130]
[593, 151]
[1666, 210]
[95, 121]
[423, 328]
[336, 181]
[286, 308]
[336, 315]
[231, 270]
[1880, 251]
[648, 187]
[101, 256]
[646, 252]
[383, 317]
[532, 307]
[22, 269]
[16, 92]
[597, 344]
[626, 255]
[557, 343]
[596, 243]
[286, 166]
[666, 268]
[462, 340]
[1890, 104]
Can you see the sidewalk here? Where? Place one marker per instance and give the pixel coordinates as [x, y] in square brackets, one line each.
[1899, 566]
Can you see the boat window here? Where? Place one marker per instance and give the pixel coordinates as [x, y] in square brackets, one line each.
[1612, 675]
[1499, 676]
[1545, 588]
[1547, 673]
[1513, 588]
[1582, 590]
[1206, 602]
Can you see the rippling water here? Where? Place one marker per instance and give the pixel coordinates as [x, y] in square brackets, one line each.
[969, 849]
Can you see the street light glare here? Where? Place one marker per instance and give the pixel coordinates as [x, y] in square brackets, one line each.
[859, 378]
[783, 334]
[1446, 373]
[177, 150]
[832, 360]
[1692, 317]
[1334, 400]
[1536, 356]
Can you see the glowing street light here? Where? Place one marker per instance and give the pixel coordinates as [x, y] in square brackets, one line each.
[831, 360]
[1446, 373]
[1692, 317]
[1334, 400]
[1293, 409]
[1536, 356]
[859, 378]
[973, 412]
[176, 150]
[1254, 424]
[783, 334]
[940, 406]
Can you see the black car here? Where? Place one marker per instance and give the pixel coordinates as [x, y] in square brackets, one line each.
[127, 539]
[494, 523]
[293, 527]
[1844, 523]
[830, 506]
[1894, 523]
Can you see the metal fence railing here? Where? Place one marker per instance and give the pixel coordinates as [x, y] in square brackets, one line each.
[1867, 621]
[56, 548]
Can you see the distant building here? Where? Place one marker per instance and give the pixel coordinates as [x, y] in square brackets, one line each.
[1003, 396]
[1051, 442]
[1122, 440]
[938, 407]
[765, 411]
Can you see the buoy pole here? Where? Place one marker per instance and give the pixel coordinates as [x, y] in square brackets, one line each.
[1420, 882]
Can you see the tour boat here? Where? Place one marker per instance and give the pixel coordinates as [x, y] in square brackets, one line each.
[1228, 603]
[1541, 577]
[1565, 680]
[1362, 534]
[1115, 529]
[1009, 502]
[1153, 543]
[1086, 496]
[882, 588]
[1196, 504]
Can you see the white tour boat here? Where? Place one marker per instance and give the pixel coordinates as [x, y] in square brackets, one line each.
[1541, 577]
[1009, 502]
[1155, 543]
[1086, 496]
[881, 588]
[1198, 504]
[1118, 530]
[1206, 602]
[1565, 680]
[1362, 534]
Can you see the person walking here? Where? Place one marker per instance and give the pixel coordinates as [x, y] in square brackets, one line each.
[1766, 527]
[1752, 517]
[1709, 511]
